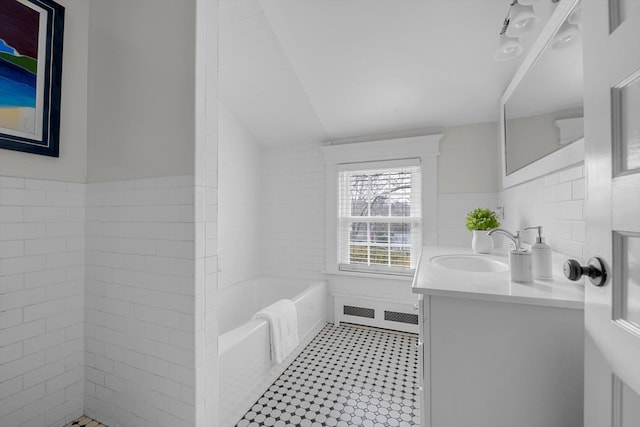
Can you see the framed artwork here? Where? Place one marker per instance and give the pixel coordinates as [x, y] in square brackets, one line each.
[31, 36]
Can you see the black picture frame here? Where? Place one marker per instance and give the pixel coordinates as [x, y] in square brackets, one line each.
[23, 127]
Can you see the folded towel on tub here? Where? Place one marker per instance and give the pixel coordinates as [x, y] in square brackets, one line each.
[283, 325]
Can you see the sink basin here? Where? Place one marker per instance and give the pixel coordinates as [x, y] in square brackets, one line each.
[472, 263]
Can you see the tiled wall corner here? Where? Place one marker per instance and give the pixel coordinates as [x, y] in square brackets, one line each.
[239, 207]
[140, 302]
[206, 239]
[41, 301]
[452, 213]
[556, 202]
[293, 217]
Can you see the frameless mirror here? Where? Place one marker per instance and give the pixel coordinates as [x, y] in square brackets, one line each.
[542, 107]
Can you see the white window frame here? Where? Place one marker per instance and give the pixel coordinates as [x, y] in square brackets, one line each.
[424, 148]
[343, 220]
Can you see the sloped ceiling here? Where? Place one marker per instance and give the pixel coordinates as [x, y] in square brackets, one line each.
[299, 71]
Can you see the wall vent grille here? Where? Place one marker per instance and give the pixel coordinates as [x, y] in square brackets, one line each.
[359, 311]
[396, 316]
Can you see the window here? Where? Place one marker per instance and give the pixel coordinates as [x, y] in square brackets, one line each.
[381, 205]
[379, 216]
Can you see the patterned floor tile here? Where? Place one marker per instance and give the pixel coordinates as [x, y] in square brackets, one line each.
[347, 376]
[85, 422]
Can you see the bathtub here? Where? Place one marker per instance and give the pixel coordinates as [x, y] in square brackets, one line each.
[244, 361]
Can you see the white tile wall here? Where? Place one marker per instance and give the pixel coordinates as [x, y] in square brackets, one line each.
[452, 213]
[293, 223]
[41, 302]
[293, 191]
[239, 203]
[293, 211]
[556, 202]
[139, 330]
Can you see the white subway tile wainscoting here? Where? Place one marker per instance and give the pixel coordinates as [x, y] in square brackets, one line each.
[556, 202]
[41, 301]
[140, 302]
[293, 216]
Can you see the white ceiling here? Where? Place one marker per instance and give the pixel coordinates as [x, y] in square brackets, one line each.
[299, 71]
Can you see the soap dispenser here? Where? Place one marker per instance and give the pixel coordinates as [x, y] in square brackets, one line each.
[542, 266]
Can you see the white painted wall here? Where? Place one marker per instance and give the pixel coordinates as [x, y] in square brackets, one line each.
[239, 198]
[71, 166]
[140, 303]
[469, 159]
[41, 301]
[141, 89]
[468, 178]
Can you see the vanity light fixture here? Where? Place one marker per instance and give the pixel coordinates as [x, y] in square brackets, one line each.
[522, 19]
[530, 2]
[568, 34]
[576, 16]
[508, 48]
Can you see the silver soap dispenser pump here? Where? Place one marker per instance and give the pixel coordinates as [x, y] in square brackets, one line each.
[542, 265]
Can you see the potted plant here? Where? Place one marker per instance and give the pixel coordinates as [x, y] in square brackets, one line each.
[479, 221]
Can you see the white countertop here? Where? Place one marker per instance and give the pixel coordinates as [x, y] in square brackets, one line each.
[431, 279]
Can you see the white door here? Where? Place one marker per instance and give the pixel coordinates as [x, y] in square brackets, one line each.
[611, 31]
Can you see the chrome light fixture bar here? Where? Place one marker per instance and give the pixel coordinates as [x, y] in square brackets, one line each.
[520, 19]
[508, 47]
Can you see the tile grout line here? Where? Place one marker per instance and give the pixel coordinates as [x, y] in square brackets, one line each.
[85, 421]
[347, 376]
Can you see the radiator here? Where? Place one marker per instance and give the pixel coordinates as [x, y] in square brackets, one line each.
[380, 313]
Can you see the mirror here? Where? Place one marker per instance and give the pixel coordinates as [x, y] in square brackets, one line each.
[542, 114]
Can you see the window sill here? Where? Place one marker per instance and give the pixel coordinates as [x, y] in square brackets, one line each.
[380, 276]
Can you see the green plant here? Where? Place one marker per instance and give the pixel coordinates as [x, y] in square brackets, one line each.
[482, 219]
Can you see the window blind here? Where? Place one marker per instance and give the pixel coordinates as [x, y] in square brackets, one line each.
[379, 217]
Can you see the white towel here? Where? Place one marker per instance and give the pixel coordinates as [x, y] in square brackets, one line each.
[283, 324]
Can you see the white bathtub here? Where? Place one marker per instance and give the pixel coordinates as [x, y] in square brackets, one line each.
[244, 364]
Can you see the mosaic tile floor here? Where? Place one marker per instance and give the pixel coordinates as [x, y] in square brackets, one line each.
[85, 422]
[347, 376]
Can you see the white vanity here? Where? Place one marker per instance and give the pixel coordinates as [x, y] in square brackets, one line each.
[496, 353]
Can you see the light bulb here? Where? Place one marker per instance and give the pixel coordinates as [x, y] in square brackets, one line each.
[508, 49]
[567, 35]
[521, 20]
[576, 16]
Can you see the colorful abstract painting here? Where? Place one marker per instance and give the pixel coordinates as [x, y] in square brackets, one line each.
[31, 33]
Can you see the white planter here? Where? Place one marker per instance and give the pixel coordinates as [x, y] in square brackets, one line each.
[481, 243]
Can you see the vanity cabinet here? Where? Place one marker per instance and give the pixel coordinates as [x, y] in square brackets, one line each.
[495, 353]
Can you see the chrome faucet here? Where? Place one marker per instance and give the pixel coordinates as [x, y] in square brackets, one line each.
[514, 237]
